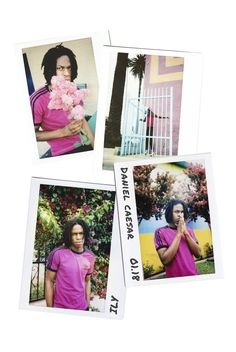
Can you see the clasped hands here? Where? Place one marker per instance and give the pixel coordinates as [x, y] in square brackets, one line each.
[181, 228]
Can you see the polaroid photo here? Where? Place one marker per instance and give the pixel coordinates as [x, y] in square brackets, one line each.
[167, 217]
[152, 102]
[73, 261]
[61, 80]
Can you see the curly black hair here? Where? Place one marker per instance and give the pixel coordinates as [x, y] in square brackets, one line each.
[50, 60]
[169, 210]
[68, 230]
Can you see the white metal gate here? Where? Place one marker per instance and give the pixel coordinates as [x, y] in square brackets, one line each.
[147, 124]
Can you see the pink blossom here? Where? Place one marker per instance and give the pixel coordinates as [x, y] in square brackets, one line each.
[83, 93]
[72, 88]
[93, 241]
[77, 112]
[55, 81]
[55, 103]
[67, 102]
[66, 96]
[80, 95]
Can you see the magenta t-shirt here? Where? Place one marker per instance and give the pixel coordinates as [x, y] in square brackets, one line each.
[183, 263]
[51, 120]
[71, 268]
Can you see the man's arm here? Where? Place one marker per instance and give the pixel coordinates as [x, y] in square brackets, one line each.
[167, 254]
[193, 246]
[73, 128]
[49, 287]
[90, 134]
[88, 288]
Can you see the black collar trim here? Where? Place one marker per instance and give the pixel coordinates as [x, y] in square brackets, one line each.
[77, 252]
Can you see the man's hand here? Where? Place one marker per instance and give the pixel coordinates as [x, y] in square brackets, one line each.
[73, 128]
[181, 227]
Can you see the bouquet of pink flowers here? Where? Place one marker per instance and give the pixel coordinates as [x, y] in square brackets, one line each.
[66, 96]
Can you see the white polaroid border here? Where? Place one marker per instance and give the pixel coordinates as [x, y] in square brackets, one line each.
[128, 221]
[191, 93]
[99, 39]
[115, 298]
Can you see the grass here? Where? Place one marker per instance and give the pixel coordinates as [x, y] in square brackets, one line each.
[206, 267]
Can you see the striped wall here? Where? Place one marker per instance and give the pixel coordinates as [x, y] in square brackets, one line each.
[165, 72]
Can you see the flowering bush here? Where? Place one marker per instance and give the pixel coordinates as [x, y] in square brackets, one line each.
[99, 277]
[154, 190]
[65, 95]
[197, 198]
[151, 195]
[59, 204]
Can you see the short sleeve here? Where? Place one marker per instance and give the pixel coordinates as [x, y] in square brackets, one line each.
[37, 109]
[192, 234]
[53, 261]
[91, 261]
[159, 240]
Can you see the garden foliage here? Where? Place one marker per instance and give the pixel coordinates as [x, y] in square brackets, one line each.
[153, 192]
[59, 204]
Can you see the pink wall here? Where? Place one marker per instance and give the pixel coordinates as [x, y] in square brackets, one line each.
[163, 69]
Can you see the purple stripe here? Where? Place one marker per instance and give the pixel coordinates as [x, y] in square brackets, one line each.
[35, 96]
[159, 240]
[50, 257]
[163, 69]
[163, 246]
[38, 92]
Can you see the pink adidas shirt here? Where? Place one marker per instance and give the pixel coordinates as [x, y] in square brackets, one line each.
[51, 120]
[183, 263]
[71, 268]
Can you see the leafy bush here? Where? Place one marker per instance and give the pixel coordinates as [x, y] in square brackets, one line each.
[197, 198]
[148, 270]
[59, 204]
[208, 250]
[151, 195]
[99, 277]
[153, 192]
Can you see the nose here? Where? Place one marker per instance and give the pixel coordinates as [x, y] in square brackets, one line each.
[66, 71]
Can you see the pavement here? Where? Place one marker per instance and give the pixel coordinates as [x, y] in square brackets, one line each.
[110, 157]
[96, 302]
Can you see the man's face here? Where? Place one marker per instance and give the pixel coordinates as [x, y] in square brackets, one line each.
[77, 238]
[177, 214]
[63, 67]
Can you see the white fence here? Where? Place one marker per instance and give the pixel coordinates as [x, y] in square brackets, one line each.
[147, 123]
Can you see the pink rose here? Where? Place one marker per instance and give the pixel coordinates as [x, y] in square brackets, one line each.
[77, 112]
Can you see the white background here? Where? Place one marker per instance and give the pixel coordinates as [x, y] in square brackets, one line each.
[182, 317]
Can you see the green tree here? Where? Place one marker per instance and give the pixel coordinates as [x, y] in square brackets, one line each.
[151, 194]
[48, 231]
[197, 197]
[137, 68]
